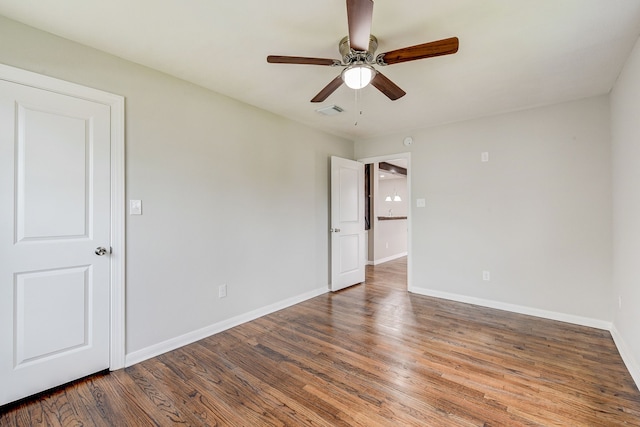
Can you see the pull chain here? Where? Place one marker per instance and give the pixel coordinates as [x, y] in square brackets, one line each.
[357, 110]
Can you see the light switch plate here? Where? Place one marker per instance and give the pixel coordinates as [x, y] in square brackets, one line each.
[135, 207]
[421, 203]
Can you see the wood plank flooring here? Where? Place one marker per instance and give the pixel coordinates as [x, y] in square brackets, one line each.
[370, 355]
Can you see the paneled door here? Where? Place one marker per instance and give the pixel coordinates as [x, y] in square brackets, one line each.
[347, 223]
[54, 239]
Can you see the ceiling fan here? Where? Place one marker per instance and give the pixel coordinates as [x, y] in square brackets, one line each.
[358, 49]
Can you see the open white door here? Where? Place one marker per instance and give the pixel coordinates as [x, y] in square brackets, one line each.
[55, 240]
[347, 223]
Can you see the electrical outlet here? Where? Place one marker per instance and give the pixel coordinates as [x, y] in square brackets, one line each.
[386, 245]
[222, 291]
[486, 275]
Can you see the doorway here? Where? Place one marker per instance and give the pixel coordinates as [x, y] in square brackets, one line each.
[388, 237]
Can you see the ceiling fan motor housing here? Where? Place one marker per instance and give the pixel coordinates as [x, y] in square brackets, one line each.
[350, 56]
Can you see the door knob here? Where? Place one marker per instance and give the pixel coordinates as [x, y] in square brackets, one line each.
[335, 230]
[101, 251]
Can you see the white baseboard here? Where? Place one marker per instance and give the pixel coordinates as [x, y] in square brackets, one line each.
[627, 356]
[387, 259]
[545, 314]
[188, 338]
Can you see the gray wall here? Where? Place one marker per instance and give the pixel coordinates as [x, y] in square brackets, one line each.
[537, 215]
[625, 114]
[231, 194]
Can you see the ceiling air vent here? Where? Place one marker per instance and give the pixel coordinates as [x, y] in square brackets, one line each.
[331, 110]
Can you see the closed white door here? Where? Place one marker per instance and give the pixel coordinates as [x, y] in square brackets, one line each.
[54, 215]
[347, 223]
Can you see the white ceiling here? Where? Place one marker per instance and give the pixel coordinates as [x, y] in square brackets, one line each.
[514, 54]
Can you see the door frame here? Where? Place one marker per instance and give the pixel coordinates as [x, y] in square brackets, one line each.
[117, 258]
[406, 156]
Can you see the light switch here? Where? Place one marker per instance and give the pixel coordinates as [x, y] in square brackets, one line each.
[421, 203]
[484, 156]
[135, 207]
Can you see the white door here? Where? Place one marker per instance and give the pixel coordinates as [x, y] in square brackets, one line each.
[54, 214]
[347, 223]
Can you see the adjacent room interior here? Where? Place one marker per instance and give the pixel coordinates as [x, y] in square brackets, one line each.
[386, 224]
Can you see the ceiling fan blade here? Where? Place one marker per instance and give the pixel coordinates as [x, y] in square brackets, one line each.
[275, 59]
[386, 86]
[420, 51]
[328, 90]
[359, 17]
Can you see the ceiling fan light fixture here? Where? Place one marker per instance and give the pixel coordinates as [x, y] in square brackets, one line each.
[358, 76]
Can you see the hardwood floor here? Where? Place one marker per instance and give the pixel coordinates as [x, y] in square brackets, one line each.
[370, 355]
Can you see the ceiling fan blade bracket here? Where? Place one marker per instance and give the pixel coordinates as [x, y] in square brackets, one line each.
[380, 60]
